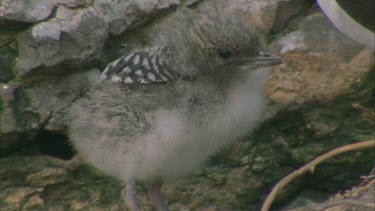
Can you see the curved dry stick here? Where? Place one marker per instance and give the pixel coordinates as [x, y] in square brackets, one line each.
[311, 167]
[364, 110]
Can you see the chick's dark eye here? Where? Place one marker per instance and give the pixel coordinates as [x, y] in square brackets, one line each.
[225, 54]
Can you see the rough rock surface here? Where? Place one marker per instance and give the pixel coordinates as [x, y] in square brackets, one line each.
[260, 13]
[52, 184]
[72, 36]
[38, 104]
[320, 64]
[76, 32]
[26, 10]
[50, 53]
[286, 10]
[360, 197]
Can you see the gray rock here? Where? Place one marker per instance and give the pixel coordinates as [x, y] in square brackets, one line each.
[47, 183]
[315, 54]
[321, 35]
[26, 10]
[11, 134]
[7, 122]
[41, 104]
[286, 10]
[75, 3]
[317, 33]
[259, 12]
[73, 36]
[125, 15]
[76, 34]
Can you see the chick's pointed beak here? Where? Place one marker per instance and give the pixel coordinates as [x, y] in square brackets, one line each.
[263, 60]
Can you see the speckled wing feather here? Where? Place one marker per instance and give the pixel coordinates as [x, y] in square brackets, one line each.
[142, 67]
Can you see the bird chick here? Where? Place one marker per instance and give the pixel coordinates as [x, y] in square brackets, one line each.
[159, 113]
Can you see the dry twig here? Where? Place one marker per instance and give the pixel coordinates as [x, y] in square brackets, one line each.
[364, 110]
[310, 167]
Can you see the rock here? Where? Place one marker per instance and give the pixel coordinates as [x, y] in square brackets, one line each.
[26, 10]
[286, 10]
[11, 135]
[314, 55]
[191, 2]
[13, 198]
[75, 3]
[40, 104]
[318, 35]
[37, 182]
[121, 16]
[259, 12]
[72, 36]
[75, 36]
[6, 96]
[8, 54]
[360, 197]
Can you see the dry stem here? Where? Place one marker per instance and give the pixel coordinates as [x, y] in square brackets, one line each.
[364, 110]
[310, 167]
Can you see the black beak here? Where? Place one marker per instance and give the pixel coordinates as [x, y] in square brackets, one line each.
[263, 60]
